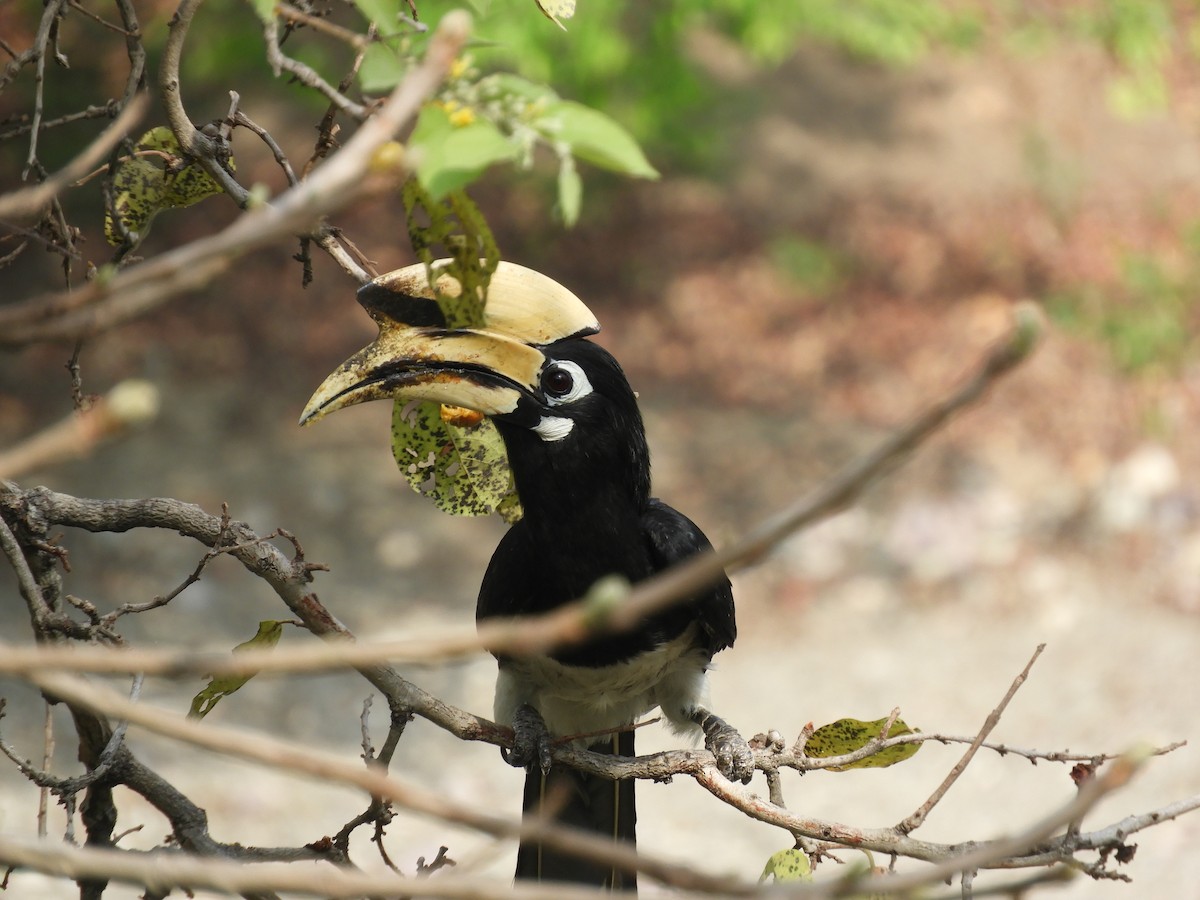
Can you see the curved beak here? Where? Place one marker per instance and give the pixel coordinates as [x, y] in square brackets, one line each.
[416, 357]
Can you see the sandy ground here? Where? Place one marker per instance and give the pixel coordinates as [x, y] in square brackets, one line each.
[817, 643]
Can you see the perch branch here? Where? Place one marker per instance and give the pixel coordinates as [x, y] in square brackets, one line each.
[329, 767]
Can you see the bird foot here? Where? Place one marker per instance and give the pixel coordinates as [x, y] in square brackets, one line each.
[735, 759]
[531, 740]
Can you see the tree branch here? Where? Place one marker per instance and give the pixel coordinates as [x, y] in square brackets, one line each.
[357, 171]
[31, 201]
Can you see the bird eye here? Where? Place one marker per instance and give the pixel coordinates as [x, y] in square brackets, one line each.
[557, 381]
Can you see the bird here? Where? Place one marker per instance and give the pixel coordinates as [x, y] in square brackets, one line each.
[576, 445]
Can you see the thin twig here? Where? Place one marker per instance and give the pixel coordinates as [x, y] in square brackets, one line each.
[918, 817]
[354, 173]
[30, 201]
[308, 76]
[41, 42]
[25, 580]
[319, 23]
[327, 766]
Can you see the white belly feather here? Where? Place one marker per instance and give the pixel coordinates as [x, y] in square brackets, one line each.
[582, 700]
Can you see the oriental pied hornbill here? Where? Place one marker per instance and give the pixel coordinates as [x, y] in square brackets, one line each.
[578, 453]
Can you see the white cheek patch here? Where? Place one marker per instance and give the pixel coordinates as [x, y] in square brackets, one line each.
[553, 428]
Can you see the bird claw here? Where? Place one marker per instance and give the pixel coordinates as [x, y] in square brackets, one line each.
[735, 759]
[531, 740]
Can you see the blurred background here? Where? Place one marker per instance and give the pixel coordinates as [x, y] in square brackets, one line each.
[852, 197]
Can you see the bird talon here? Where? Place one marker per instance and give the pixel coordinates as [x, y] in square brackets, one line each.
[531, 740]
[735, 759]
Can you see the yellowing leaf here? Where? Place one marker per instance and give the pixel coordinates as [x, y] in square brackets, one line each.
[455, 459]
[267, 636]
[557, 9]
[157, 177]
[462, 469]
[847, 735]
[787, 865]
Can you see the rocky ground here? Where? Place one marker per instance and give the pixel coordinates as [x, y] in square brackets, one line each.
[1064, 509]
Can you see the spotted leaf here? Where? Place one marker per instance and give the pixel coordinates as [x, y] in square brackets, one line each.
[462, 468]
[454, 457]
[156, 177]
[848, 735]
[791, 865]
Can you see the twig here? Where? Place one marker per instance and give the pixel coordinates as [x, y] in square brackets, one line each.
[574, 622]
[193, 142]
[354, 173]
[31, 200]
[240, 118]
[52, 10]
[99, 20]
[47, 761]
[306, 75]
[129, 405]
[25, 580]
[326, 766]
[318, 23]
[107, 621]
[22, 126]
[915, 820]
[189, 872]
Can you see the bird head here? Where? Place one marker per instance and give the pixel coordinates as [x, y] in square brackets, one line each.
[528, 367]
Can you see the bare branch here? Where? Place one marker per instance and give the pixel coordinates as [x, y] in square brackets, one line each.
[159, 871]
[577, 621]
[917, 818]
[127, 406]
[357, 171]
[307, 75]
[41, 45]
[31, 200]
[329, 767]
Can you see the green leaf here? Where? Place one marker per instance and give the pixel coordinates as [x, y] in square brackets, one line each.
[383, 67]
[595, 137]
[157, 177]
[452, 156]
[787, 865]
[267, 636]
[463, 468]
[455, 229]
[570, 191]
[848, 735]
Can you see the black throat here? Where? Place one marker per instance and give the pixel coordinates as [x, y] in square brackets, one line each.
[584, 499]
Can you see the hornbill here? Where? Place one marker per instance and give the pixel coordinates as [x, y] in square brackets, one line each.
[577, 449]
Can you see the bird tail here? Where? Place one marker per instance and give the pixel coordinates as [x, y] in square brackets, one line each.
[588, 802]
